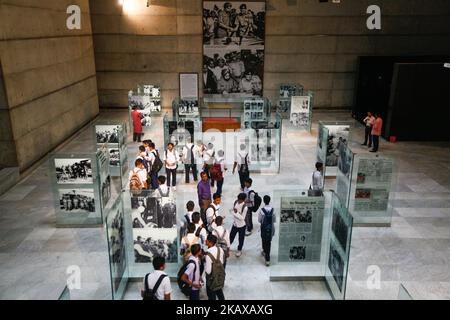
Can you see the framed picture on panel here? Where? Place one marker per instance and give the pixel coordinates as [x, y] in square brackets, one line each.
[189, 86]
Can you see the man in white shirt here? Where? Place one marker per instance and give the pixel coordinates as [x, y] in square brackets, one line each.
[151, 154]
[239, 225]
[139, 170]
[369, 121]
[188, 158]
[187, 218]
[170, 161]
[212, 212]
[250, 203]
[199, 229]
[266, 217]
[216, 253]
[191, 275]
[223, 237]
[242, 162]
[164, 290]
[317, 181]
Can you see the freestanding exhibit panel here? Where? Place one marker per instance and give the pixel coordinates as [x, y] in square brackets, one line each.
[147, 100]
[284, 103]
[301, 111]
[344, 173]
[81, 187]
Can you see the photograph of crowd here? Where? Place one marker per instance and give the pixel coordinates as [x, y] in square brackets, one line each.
[114, 157]
[233, 47]
[107, 133]
[188, 108]
[337, 135]
[117, 246]
[73, 171]
[336, 265]
[297, 253]
[362, 194]
[106, 191]
[340, 229]
[295, 216]
[149, 243]
[77, 200]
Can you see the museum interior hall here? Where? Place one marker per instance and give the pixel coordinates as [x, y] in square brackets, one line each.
[203, 149]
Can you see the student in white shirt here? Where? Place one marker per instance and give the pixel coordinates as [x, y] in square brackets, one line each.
[188, 240]
[250, 203]
[200, 231]
[317, 181]
[267, 227]
[189, 160]
[151, 154]
[170, 161]
[192, 274]
[164, 289]
[139, 170]
[216, 253]
[239, 225]
[223, 237]
[242, 162]
[187, 218]
[212, 212]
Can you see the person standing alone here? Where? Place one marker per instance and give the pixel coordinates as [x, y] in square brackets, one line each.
[188, 157]
[242, 163]
[266, 217]
[239, 225]
[136, 116]
[376, 132]
[170, 161]
[214, 269]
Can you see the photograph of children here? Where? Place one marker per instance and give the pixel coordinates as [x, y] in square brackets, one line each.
[336, 265]
[107, 134]
[340, 229]
[188, 108]
[116, 238]
[77, 200]
[297, 253]
[149, 243]
[337, 135]
[362, 194]
[73, 171]
[106, 191]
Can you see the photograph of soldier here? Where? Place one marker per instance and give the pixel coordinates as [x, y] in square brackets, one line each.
[77, 200]
[73, 171]
[149, 243]
[107, 134]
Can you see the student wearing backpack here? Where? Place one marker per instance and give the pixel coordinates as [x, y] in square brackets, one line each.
[188, 240]
[170, 162]
[223, 238]
[214, 269]
[253, 202]
[157, 284]
[316, 187]
[155, 164]
[188, 157]
[191, 274]
[217, 171]
[200, 230]
[242, 162]
[187, 218]
[212, 212]
[266, 217]
[239, 225]
[138, 177]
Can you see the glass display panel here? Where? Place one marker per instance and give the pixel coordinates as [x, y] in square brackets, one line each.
[301, 111]
[345, 165]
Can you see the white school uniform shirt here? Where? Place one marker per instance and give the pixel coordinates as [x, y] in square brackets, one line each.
[250, 200]
[210, 215]
[221, 161]
[151, 156]
[186, 155]
[317, 181]
[261, 215]
[189, 240]
[208, 261]
[164, 288]
[208, 154]
[239, 216]
[203, 233]
[141, 173]
[170, 157]
[240, 158]
[193, 276]
[221, 233]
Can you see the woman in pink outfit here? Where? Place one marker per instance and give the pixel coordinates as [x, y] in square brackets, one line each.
[376, 132]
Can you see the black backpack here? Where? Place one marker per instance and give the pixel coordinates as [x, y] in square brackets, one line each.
[256, 201]
[184, 287]
[206, 218]
[151, 294]
[267, 224]
[157, 164]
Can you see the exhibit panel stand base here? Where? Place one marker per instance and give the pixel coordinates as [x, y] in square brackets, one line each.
[372, 225]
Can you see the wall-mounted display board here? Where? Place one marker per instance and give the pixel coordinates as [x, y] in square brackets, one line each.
[284, 103]
[233, 47]
[301, 111]
[371, 182]
[81, 187]
[332, 134]
[189, 86]
[115, 233]
[185, 109]
[112, 135]
[255, 110]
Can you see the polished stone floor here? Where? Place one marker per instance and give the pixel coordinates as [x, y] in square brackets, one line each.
[414, 251]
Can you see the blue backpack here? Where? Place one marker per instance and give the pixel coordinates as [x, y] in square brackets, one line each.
[267, 225]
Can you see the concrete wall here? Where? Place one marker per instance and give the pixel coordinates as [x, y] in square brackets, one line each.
[49, 74]
[315, 44]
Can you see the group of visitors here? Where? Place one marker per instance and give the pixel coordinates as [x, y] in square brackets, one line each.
[374, 125]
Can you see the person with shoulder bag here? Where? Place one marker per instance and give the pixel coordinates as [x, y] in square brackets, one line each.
[316, 187]
[214, 269]
[223, 238]
[157, 284]
[266, 217]
[188, 241]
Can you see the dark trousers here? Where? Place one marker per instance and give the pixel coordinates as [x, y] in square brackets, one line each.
[195, 295]
[154, 179]
[171, 177]
[137, 137]
[241, 232]
[368, 136]
[219, 187]
[215, 295]
[376, 141]
[249, 220]
[207, 169]
[243, 177]
[266, 244]
[187, 169]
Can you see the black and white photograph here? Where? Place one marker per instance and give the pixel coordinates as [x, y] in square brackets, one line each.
[296, 216]
[73, 171]
[150, 243]
[336, 265]
[153, 212]
[340, 229]
[116, 237]
[152, 91]
[77, 200]
[106, 191]
[145, 104]
[108, 134]
[233, 47]
[300, 111]
[188, 108]
[337, 135]
[284, 107]
[114, 157]
[297, 253]
[290, 90]
[179, 133]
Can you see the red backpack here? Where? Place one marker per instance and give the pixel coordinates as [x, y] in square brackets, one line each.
[216, 172]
